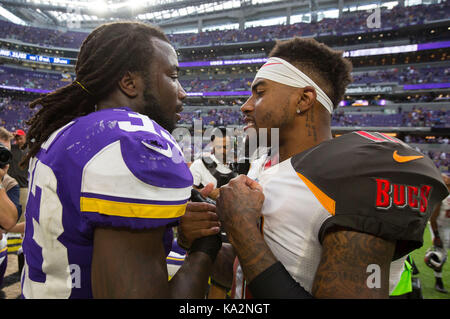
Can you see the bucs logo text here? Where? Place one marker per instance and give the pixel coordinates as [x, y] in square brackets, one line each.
[390, 194]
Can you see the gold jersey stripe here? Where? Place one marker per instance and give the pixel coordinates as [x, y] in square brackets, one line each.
[134, 210]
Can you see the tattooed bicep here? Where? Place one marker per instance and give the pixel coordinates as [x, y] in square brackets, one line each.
[353, 265]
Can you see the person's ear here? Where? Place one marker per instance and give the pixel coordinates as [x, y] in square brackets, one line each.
[128, 84]
[306, 99]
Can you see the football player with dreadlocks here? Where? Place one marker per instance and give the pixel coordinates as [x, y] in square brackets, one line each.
[105, 188]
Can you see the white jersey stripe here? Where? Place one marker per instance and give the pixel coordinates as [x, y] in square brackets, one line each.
[97, 179]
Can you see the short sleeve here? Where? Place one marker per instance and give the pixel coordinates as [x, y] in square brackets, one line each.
[136, 182]
[195, 169]
[374, 185]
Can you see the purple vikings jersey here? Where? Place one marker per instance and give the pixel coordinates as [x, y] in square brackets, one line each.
[111, 168]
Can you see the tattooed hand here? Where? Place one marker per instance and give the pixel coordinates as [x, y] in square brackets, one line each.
[239, 205]
[239, 208]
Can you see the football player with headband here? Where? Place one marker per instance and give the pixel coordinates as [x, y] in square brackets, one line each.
[319, 216]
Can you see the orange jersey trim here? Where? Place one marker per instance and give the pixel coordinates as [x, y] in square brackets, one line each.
[327, 202]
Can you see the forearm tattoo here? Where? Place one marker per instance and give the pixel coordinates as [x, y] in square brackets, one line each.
[347, 259]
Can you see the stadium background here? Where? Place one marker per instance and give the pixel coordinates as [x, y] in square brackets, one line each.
[399, 50]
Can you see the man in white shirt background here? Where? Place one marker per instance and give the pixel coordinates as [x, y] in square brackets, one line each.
[213, 167]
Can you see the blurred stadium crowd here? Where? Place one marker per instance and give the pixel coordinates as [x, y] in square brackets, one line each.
[350, 22]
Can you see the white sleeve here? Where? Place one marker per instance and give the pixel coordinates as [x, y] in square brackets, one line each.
[113, 195]
[196, 171]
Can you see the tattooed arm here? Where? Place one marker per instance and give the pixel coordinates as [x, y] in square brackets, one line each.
[346, 254]
[343, 269]
[239, 209]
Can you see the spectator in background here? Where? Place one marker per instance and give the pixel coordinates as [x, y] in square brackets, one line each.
[18, 150]
[9, 203]
[9, 190]
[212, 168]
[21, 175]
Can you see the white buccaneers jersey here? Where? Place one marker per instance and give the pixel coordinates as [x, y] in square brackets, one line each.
[300, 205]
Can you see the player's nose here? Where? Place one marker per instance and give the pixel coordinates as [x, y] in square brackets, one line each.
[181, 92]
[248, 106]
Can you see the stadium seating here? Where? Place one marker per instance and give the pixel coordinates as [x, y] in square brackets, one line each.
[353, 22]
[32, 79]
[14, 111]
[409, 75]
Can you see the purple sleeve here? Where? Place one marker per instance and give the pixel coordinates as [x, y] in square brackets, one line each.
[135, 182]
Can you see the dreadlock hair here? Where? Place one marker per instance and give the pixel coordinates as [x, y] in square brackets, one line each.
[106, 55]
[326, 67]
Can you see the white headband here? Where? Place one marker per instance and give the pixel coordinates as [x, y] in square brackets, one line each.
[283, 72]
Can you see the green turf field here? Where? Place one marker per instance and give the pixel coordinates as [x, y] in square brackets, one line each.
[426, 274]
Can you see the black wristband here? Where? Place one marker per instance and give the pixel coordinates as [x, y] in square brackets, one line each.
[276, 283]
[209, 245]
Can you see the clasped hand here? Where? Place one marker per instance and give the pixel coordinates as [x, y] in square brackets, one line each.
[199, 220]
[239, 206]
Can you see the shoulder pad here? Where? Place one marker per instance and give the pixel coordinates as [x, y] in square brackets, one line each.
[378, 185]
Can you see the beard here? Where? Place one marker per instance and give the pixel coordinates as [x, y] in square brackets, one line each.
[154, 110]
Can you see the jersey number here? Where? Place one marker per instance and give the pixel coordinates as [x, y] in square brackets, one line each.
[379, 137]
[44, 218]
[147, 126]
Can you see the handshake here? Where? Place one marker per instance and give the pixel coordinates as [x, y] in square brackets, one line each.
[238, 203]
[199, 228]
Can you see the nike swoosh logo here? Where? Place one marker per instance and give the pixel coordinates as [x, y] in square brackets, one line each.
[404, 159]
[166, 152]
